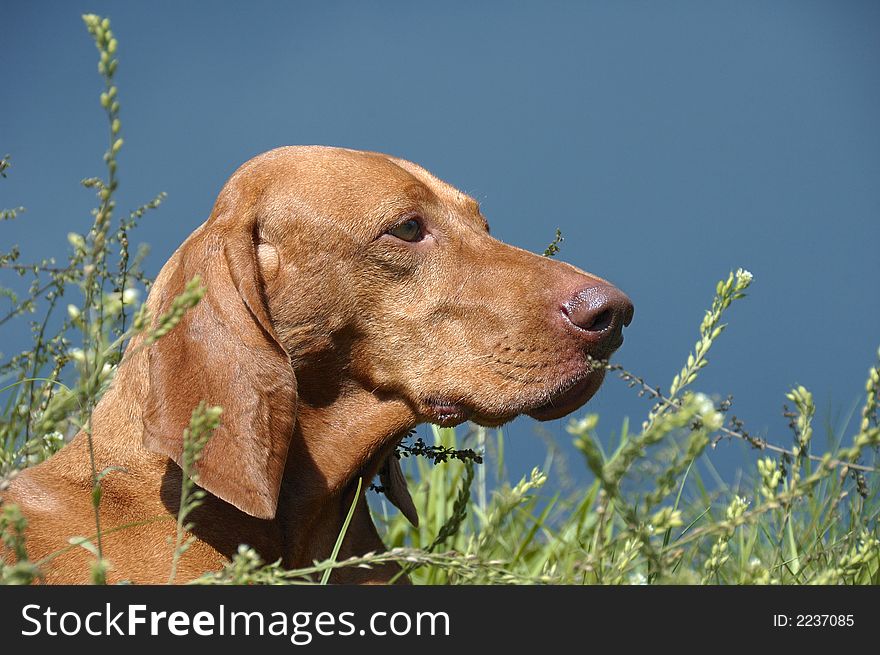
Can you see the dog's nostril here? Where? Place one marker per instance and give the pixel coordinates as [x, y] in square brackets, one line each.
[602, 321]
[599, 310]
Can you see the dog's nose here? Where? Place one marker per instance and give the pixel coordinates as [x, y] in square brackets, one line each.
[600, 312]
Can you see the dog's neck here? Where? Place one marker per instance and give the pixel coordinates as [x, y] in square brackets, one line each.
[319, 482]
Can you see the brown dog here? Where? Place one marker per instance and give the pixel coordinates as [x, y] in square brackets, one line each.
[350, 297]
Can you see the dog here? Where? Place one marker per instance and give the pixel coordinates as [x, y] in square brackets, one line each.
[350, 296]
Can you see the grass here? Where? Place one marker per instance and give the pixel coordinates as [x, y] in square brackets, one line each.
[648, 517]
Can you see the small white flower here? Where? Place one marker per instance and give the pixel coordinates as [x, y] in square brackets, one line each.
[703, 403]
[76, 240]
[130, 296]
[586, 424]
[53, 437]
[712, 418]
[744, 277]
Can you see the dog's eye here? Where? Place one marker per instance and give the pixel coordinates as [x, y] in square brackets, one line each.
[410, 230]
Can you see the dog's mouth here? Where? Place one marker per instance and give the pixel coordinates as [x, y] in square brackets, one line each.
[447, 413]
[565, 398]
[569, 397]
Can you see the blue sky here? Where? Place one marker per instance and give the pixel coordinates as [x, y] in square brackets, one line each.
[670, 142]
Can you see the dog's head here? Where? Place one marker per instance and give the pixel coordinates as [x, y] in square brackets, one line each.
[335, 275]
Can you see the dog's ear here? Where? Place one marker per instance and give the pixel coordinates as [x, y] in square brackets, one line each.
[223, 351]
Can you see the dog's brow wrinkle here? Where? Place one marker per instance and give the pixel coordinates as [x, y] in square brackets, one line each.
[419, 191]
